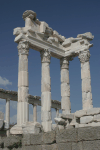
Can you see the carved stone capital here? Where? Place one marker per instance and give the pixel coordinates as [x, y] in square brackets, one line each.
[64, 63]
[45, 56]
[23, 48]
[8, 99]
[84, 56]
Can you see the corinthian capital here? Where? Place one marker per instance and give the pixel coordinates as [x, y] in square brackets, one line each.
[23, 48]
[64, 63]
[45, 56]
[84, 56]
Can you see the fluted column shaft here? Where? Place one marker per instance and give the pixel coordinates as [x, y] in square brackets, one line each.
[65, 86]
[46, 91]
[23, 84]
[7, 115]
[86, 79]
[35, 112]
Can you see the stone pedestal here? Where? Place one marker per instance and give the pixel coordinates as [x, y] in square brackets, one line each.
[86, 80]
[46, 91]
[23, 87]
[65, 86]
[7, 116]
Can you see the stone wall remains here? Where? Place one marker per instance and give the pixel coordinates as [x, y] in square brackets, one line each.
[87, 138]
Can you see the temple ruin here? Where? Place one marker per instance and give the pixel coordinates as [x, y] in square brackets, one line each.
[39, 36]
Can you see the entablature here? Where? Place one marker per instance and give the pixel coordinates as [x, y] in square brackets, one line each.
[40, 36]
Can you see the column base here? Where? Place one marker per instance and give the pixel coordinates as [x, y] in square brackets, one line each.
[16, 130]
[47, 126]
[31, 128]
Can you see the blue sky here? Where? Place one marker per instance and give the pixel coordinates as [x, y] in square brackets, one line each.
[69, 18]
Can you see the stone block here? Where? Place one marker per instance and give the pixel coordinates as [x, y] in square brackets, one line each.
[26, 140]
[60, 121]
[96, 117]
[54, 147]
[60, 127]
[67, 116]
[9, 141]
[93, 111]
[31, 127]
[49, 137]
[36, 138]
[79, 125]
[91, 145]
[86, 119]
[33, 147]
[66, 135]
[64, 146]
[88, 133]
[80, 113]
[46, 147]
[93, 124]
[77, 146]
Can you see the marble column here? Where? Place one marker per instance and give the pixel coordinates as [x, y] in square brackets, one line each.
[84, 57]
[7, 116]
[65, 86]
[35, 112]
[57, 112]
[23, 84]
[46, 91]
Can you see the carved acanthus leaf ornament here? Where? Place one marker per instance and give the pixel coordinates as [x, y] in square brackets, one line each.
[84, 56]
[64, 63]
[23, 48]
[45, 56]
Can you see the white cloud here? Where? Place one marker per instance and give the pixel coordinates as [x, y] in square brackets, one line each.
[4, 81]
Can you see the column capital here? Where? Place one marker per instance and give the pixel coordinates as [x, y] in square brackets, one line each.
[34, 104]
[23, 47]
[45, 56]
[64, 63]
[7, 99]
[84, 56]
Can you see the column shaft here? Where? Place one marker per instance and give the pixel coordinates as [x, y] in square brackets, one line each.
[7, 116]
[35, 113]
[57, 112]
[46, 91]
[23, 85]
[65, 86]
[86, 80]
